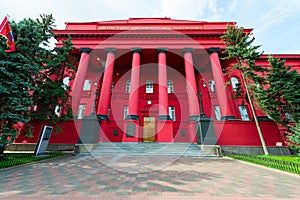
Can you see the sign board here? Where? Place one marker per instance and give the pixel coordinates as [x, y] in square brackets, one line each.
[43, 141]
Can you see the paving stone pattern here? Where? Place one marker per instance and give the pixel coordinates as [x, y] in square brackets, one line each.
[88, 177]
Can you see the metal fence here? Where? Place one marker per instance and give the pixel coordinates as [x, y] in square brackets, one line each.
[9, 160]
[269, 162]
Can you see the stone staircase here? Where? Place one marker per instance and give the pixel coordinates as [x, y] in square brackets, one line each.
[152, 149]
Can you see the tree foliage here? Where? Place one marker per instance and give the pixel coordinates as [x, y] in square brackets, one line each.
[31, 84]
[275, 89]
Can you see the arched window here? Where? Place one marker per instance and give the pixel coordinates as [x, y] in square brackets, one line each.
[170, 87]
[149, 86]
[235, 83]
[128, 86]
[66, 82]
[87, 85]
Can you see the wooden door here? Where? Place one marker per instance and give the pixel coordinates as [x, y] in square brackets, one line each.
[149, 129]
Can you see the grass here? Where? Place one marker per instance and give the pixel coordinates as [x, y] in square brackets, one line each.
[285, 163]
[14, 159]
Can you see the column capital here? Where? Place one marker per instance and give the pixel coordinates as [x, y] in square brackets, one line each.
[213, 50]
[162, 50]
[85, 50]
[111, 50]
[185, 50]
[136, 50]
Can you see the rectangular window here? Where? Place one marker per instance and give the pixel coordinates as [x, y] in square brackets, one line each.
[81, 110]
[87, 85]
[125, 112]
[211, 84]
[108, 111]
[149, 86]
[170, 87]
[128, 86]
[57, 110]
[217, 112]
[172, 113]
[244, 113]
[112, 86]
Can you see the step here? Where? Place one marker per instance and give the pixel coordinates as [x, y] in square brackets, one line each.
[150, 149]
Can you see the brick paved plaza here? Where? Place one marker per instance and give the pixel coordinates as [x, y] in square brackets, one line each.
[87, 177]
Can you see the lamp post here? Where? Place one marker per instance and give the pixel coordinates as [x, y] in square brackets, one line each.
[95, 100]
[202, 115]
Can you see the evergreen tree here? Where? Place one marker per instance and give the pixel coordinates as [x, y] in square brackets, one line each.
[240, 48]
[279, 97]
[31, 84]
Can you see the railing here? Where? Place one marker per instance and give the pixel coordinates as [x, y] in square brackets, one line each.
[269, 162]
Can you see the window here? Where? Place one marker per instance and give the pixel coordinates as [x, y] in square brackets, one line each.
[170, 87]
[57, 110]
[211, 84]
[128, 86]
[172, 113]
[125, 112]
[244, 113]
[235, 83]
[87, 85]
[66, 81]
[108, 111]
[112, 86]
[289, 117]
[81, 110]
[149, 86]
[217, 112]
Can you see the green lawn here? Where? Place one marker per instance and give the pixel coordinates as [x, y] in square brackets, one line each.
[285, 163]
[14, 159]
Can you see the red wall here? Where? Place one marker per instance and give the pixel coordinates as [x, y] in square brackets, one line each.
[68, 134]
[241, 133]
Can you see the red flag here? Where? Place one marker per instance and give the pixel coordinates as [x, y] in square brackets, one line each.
[5, 32]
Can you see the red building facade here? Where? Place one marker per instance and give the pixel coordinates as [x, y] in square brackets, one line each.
[160, 80]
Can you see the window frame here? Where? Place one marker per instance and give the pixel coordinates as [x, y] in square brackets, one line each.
[127, 87]
[81, 111]
[242, 115]
[125, 111]
[170, 87]
[149, 87]
[172, 112]
[87, 85]
[217, 110]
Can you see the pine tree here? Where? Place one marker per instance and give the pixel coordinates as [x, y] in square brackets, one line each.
[279, 97]
[32, 77]
[240, 48]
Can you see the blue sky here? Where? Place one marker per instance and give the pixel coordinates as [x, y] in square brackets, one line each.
[275, 22]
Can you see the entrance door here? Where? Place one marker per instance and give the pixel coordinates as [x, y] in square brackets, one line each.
[149, 129]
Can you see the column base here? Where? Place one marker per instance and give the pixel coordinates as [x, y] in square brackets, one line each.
[131, 131]
[104, 131]
[132, 117]
[229, 118]
[164, 117]
[101, 117]
[264, 118]
[165, 131]
[203, 130]
[89, 132]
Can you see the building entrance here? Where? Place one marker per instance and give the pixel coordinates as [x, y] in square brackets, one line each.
[149, 129]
